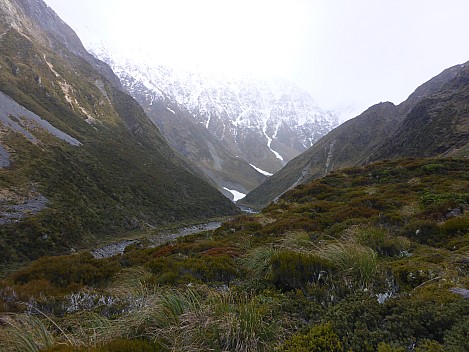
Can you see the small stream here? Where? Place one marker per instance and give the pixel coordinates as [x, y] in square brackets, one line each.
[157, 240]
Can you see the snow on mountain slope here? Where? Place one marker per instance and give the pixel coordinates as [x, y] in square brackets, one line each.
[265, 121]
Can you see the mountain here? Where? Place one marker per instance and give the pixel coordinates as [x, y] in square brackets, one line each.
[226, 171]
[433, 121]
[80, 161]
[438, 125]
[264, 122]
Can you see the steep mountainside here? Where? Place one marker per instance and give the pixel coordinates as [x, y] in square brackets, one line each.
[265, 122]
[226, 171]
[433, 121]
[80, 159]
[437, 125]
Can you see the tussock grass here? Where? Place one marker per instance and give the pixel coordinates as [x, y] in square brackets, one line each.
[378, 239]
[25, 333]
[194, 318]
[357, 263]
[258, 260]
[296, 241]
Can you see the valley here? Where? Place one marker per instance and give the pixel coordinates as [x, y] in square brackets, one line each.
[144, 208]
[236, 129]
[388, 241]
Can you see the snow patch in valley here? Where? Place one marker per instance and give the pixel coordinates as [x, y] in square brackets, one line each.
[261, 171]
[170, 110]
[237, 195]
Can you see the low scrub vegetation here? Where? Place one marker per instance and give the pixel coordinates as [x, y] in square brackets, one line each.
[366, 259]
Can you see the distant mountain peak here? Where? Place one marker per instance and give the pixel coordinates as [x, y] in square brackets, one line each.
[264, 120]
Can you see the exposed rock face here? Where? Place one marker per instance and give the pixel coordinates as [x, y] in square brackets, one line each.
[14, 212]
[4, 157]
[16, 118]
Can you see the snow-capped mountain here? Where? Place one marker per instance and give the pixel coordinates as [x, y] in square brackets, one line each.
[265, 121]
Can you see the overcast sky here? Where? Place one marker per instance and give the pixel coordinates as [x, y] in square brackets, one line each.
[344, 52]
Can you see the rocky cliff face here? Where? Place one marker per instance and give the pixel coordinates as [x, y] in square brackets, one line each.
[74, 143]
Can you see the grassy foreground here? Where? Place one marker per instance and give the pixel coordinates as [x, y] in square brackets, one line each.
[367, 259]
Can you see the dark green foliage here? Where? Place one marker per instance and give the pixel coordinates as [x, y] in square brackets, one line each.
[362, 323]
[357, 320]
[457, 338]
[177, 269]
[423, 231]
[454, 226]
[292, 270]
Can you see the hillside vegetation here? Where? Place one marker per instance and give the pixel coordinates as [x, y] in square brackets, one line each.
[120, 176]
[373, 258]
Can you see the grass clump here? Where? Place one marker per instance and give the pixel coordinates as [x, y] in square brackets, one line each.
[25, 333]
[358, 264]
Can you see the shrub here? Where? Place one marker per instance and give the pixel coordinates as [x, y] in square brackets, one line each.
[384, 347]
[379, 239]
[423, 231]
[180, 269]
[429, 346]
[321, 338]
[357, 320]
[62, 274]
[457, 339]
[291, 224]
[459, 225]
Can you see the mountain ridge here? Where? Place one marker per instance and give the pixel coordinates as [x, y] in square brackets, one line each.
[383, 131]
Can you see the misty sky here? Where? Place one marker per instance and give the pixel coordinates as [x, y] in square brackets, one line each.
[345, 53]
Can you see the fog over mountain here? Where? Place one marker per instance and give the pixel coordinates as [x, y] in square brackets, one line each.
[347, 55]
[237, 129]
